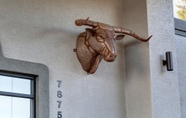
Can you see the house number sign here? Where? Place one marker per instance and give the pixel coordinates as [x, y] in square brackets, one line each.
[59, 101]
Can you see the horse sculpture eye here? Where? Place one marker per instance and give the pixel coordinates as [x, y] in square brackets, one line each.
[100, 38]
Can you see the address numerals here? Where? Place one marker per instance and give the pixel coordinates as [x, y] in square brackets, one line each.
[59, 96]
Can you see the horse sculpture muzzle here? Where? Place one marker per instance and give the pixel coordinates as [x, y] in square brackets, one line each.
[98, 43]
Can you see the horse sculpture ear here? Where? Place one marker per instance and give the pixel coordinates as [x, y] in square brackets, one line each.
[119, 37]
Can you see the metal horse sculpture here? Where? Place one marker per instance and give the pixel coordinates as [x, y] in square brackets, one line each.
[99, 42]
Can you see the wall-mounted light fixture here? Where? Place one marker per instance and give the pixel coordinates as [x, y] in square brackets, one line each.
[169, 61]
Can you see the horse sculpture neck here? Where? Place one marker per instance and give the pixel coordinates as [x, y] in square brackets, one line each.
[88, 58]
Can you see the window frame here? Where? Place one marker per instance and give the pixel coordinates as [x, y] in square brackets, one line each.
[32, 95]
[180, 27]
[40, 71]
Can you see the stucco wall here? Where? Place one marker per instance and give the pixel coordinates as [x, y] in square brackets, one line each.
[151, 91]
[137, 66]
[44, 32]
[164, 84]
[181, 57]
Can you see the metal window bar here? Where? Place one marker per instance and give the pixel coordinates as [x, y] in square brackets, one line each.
[16, 95]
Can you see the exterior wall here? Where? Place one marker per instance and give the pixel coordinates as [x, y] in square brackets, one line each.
[43, 31]
[181, 57]
[147, 81]
[164, 84]
[7, 66]
[137, 66]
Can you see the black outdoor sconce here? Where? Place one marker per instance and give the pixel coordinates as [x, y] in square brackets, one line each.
[169, 61]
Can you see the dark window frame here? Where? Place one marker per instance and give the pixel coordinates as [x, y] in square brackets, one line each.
[32, 95]
[180, 27]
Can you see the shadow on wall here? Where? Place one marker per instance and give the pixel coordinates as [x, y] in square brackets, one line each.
[162, 68]
[136, 58]
[61, 43]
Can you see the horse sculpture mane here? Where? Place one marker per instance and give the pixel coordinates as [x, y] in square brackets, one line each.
[98, 43]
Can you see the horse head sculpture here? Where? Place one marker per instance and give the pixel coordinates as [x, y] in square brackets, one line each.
[98, 43]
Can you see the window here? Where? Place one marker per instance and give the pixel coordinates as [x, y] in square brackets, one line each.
[17, 96]
[180, 9]
[180, 17]
[40, 81]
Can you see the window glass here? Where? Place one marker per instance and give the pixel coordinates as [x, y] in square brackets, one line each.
[21, 85]
[16, 85]
[5, 83]
[180, 9]
[13, 107]
[17, 97]
[5, 107]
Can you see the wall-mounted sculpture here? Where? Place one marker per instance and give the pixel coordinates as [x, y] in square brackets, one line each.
[99, 42]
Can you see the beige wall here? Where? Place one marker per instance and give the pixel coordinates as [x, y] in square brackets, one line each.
[137, 66]
[164, 84]
[181, 57]
[151, 91]
[43, 31]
